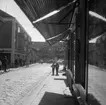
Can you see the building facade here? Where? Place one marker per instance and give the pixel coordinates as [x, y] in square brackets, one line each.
[14, 40]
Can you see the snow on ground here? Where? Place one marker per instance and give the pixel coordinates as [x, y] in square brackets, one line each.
[17, 83]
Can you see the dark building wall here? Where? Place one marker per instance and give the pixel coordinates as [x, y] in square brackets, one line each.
[19, 36]
[16, 37]
[22, 41]
[5, 35]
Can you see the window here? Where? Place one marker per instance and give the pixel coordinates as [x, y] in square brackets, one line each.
[19, 29]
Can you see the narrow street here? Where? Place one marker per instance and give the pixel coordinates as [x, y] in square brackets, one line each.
[97, 83]
[18, 83]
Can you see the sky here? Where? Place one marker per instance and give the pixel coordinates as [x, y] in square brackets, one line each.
[13, 9]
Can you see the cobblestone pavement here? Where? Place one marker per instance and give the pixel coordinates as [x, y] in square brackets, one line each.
[52, 92]
[18, 83]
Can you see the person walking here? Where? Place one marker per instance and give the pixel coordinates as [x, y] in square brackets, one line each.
[0, 64]
[5, 64]
[55, 66]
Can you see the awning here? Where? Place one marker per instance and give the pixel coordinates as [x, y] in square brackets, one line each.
[59, 37]
[97, 20]
[54, 27]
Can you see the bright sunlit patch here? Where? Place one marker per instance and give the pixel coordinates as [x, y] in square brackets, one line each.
[97, 15]
[46, 16]
[94, 40]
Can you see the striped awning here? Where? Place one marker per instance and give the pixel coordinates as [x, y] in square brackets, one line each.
[55, 27]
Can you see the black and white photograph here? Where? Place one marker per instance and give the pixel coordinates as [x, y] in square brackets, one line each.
[52, 52]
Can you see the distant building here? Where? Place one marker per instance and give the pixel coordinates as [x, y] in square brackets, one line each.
[45, 51]
[14, 40]
[40, 45]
